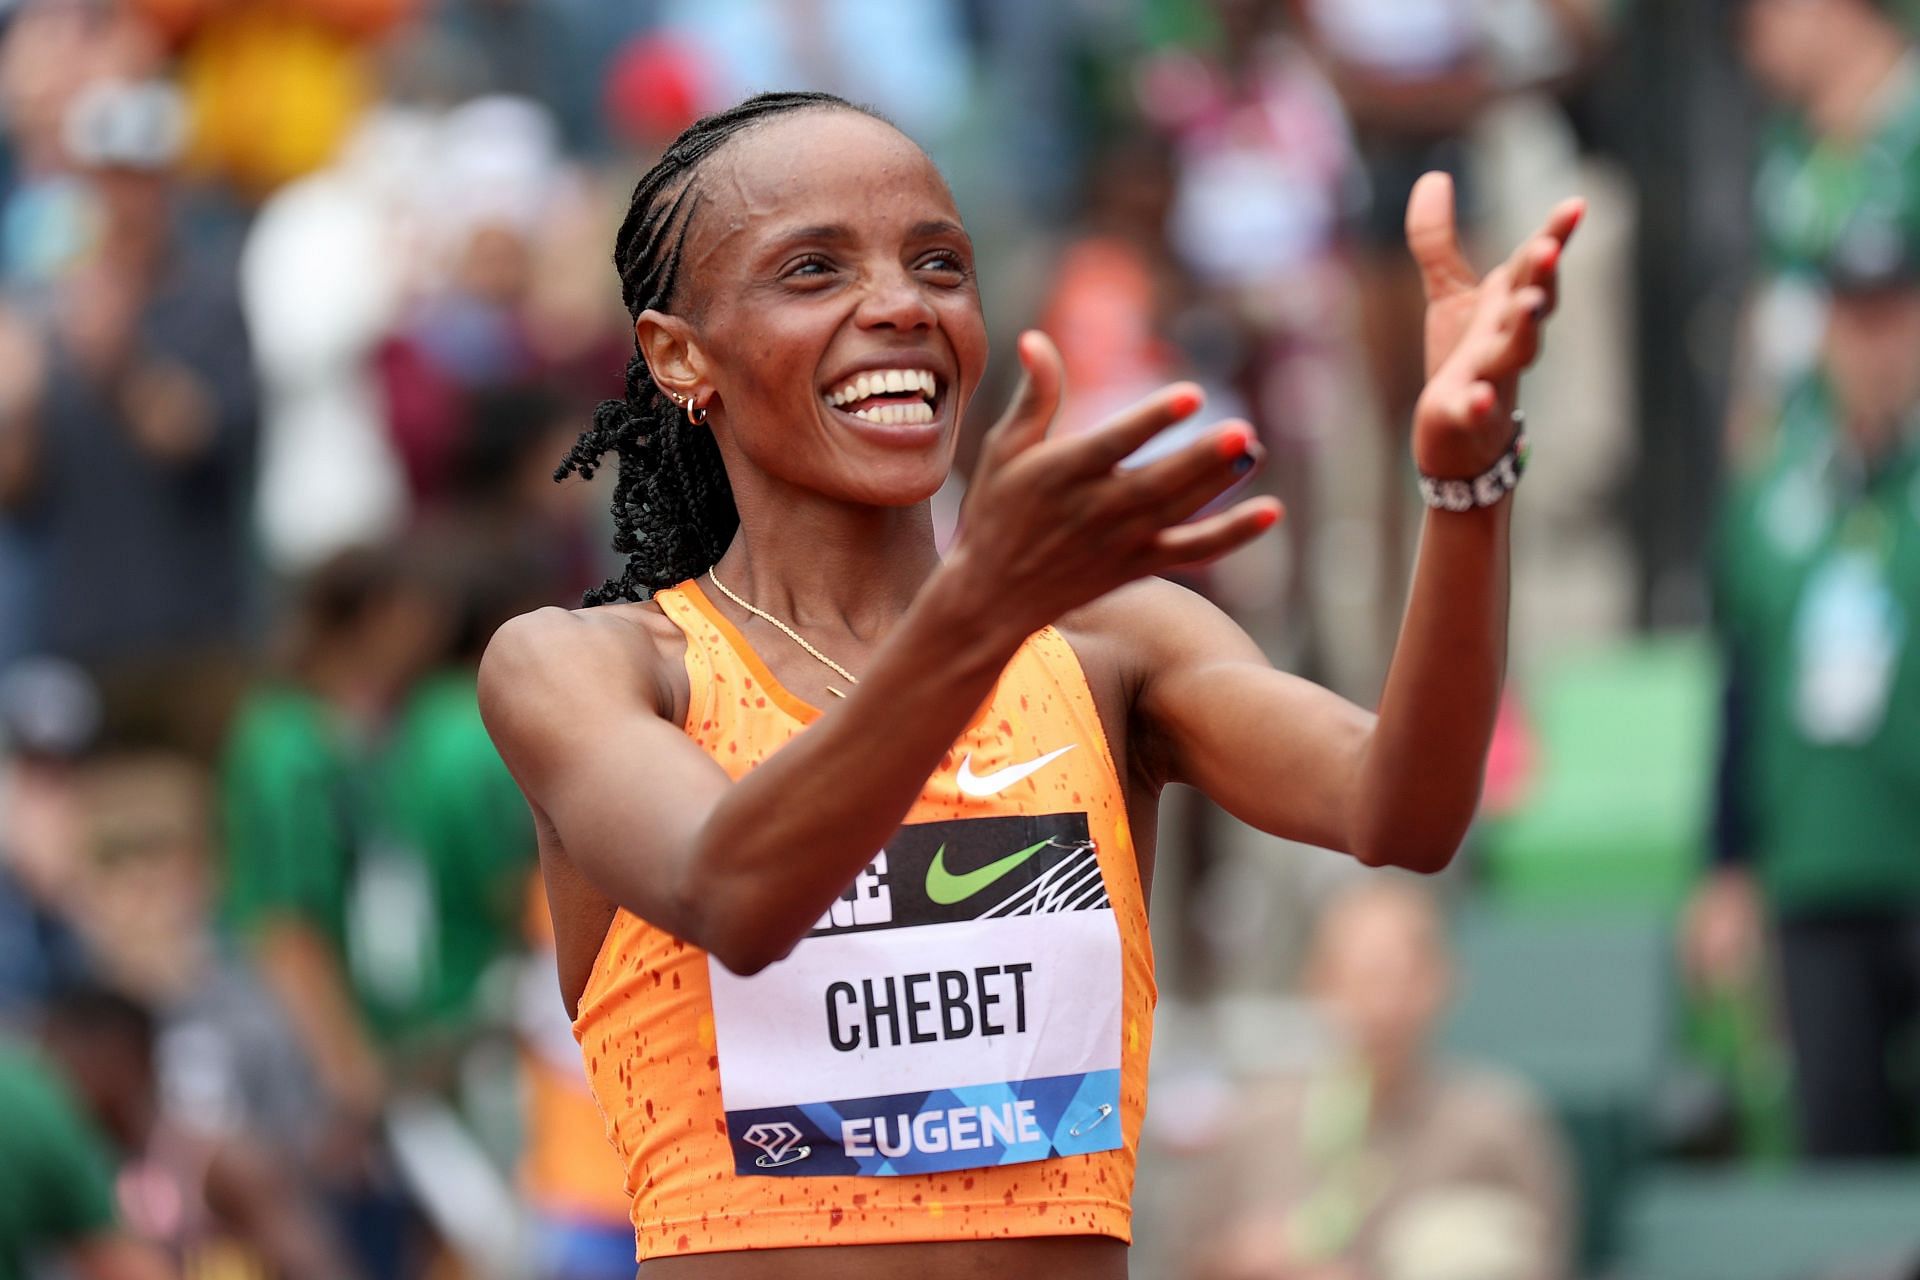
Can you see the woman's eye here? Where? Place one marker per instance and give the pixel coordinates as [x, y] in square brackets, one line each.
[947, 262]
[809, 268]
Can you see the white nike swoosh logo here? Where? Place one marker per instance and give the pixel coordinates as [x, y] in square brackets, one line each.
[1000, 779]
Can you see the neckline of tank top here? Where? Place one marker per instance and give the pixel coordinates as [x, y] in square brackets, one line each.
[787, 700]
[790, 702]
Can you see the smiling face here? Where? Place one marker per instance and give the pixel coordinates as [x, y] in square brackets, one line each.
[829, 318]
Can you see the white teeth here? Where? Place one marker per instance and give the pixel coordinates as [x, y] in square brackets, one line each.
[885, 382]
[897, 415]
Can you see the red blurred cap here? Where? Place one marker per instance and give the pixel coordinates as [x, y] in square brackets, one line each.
[655, 88]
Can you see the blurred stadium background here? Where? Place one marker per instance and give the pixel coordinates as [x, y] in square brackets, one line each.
[301, 301]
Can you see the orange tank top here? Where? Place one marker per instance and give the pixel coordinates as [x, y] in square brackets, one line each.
[566, 1170]
[956, 1051]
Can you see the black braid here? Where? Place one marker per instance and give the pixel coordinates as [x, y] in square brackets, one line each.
[673, 511]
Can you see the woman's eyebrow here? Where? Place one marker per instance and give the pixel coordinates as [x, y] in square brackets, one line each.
[831, 232]
[936, 227]
[836, 232]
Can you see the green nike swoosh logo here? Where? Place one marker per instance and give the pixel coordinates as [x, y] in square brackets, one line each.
[946, 888]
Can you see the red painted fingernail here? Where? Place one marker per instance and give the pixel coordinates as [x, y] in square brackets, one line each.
[1233, 441]
[1186, 401]
[1266, 518]
[1550, 258]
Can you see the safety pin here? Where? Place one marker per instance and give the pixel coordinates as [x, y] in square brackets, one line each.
[1079, 1131]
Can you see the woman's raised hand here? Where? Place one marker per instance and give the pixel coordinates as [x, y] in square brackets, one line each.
[1481, 332]
[1051, 525]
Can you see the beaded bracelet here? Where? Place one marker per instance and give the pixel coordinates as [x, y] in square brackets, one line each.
[1487, 488]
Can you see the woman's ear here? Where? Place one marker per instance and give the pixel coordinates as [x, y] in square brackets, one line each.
[673, 354]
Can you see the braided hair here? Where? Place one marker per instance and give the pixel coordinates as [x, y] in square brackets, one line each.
[673, 510]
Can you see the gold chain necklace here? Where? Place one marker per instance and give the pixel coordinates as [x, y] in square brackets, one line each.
[792, 635]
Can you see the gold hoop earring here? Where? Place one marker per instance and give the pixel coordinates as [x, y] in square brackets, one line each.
[696, 414]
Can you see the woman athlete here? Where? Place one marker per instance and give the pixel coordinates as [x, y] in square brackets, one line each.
[847, 844]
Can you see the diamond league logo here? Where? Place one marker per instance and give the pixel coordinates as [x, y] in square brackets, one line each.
[780, 1141]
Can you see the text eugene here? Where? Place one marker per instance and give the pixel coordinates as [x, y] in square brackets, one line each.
[919, 1008]
[958, 1129]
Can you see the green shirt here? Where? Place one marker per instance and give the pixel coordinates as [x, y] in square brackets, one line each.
[1818, 584]
[410, 856]
[293, 808]
[56, 1179]
[1809, 191]
[450, 802]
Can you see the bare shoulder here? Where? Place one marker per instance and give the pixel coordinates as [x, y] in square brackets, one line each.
[1152, 620]
[558, 657]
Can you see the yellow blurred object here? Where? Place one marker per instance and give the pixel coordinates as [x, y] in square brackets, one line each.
[274, 88]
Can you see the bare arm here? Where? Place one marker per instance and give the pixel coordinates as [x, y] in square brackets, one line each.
[658, 826]
[743, 869]
[1400, 788]
[306, 975]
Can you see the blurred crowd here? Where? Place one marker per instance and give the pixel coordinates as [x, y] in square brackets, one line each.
[302, 301]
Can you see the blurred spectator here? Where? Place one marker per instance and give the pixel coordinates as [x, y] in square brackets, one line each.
[49, 715]
[1264, 175]
[207, 1199]
[126, 445]
[56, 1180]
[495, 177]
[337, 915]
[226, 1061]
[1415, 76]
[1848, 142]
[477, 269]
[1818, 581]
[1383, 1163]
[449, 807]
[377, 848]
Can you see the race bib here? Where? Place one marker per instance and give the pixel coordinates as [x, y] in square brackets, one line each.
[958, 1007]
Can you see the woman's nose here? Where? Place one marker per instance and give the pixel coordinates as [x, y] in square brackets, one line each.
[895, 300]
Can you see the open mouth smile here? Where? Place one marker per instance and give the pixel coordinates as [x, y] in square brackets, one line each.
[888, 397]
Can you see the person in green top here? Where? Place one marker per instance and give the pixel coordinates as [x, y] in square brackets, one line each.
[56, 1181]
[449, 799]
[377, 849]
[1848, 142]
[1818, 595]
[326, 908]
[1844, 141]
[368, 814]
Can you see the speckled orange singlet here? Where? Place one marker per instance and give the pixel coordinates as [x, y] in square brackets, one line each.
[958, 1051]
